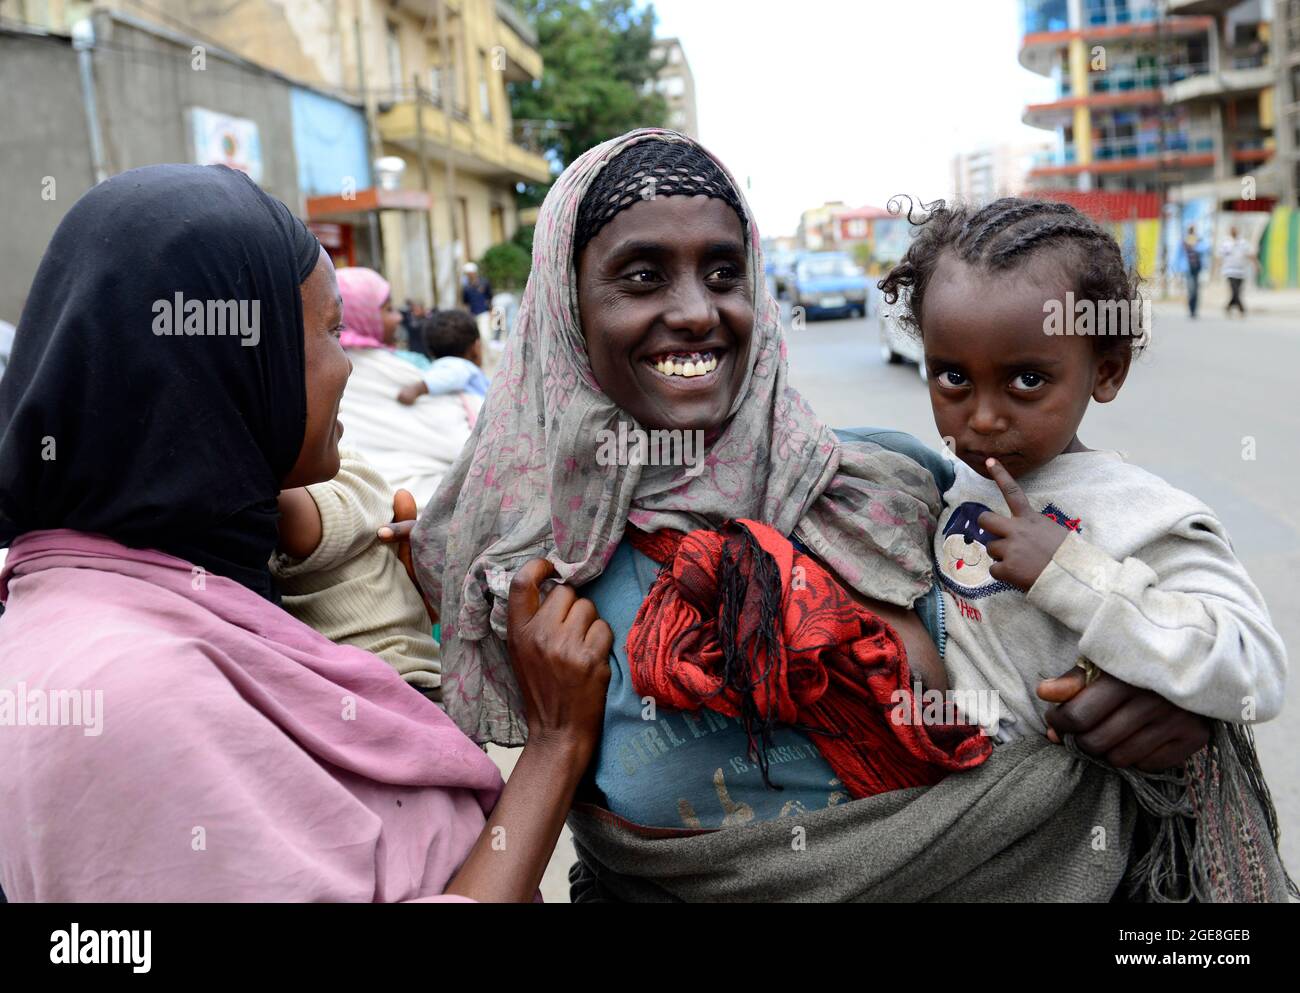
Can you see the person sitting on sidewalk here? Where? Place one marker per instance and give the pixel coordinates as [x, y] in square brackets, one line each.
[452, 340]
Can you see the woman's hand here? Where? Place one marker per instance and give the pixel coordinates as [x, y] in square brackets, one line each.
[560, 652]
[399, 534]
[1122, 724]
[559, 648]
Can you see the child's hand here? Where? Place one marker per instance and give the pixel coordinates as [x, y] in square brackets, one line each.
[1026, 540]
[398, 534]
[409, 394]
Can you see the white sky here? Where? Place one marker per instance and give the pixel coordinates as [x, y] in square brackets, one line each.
[853, 100]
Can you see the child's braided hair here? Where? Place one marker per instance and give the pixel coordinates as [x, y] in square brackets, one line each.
[1005, 234]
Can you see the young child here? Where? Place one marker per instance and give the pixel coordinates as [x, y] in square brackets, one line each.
[452, 340]
[1050, 552]
[336, 577]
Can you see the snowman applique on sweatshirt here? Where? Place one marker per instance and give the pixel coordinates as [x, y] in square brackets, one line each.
[1146, 586]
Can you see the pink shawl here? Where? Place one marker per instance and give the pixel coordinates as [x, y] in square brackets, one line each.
[239, 755]
[364, 292]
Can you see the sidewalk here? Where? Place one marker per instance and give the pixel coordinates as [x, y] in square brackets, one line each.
[1214, 297]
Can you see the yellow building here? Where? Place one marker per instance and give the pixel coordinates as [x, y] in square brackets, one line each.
[432, 75]
[453, 129]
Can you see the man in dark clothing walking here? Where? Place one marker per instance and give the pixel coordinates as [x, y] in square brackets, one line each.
[1192, 251]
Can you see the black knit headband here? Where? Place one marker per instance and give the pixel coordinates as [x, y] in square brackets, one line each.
[647, 170]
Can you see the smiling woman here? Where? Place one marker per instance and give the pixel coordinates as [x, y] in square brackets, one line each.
[668, 278]
[644, 313]
[645, 259]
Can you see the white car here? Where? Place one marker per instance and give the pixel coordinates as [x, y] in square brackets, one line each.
[897, 343]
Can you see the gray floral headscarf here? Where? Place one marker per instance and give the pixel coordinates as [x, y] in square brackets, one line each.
[529, 484]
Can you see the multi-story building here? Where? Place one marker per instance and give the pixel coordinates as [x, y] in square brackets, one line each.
[1286, 48]
[995, 171]
[431, 76]
[816, 231]
[437, 72]
[1173, 96]
[676, 84]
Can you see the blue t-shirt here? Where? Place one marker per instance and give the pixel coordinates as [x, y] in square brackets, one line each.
[689, 768]
[692, 768]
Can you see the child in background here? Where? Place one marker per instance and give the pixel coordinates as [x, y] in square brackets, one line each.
[337, 578]
[1050, 552]
[452, 340]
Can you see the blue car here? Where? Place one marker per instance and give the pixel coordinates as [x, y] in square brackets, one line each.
[829, 284]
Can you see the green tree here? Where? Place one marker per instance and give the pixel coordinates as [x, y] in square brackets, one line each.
[505, 266]
[596, 63]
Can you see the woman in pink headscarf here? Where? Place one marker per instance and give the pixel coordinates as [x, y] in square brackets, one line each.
[414, 445]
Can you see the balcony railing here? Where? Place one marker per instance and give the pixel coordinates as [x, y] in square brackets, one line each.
[388, 96]
[1119, 148]
[1128, 78]
[1247, 56]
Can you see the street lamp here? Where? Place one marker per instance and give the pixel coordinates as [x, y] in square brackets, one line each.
[388, 170]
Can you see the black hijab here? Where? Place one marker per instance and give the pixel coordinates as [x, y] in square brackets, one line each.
[174, 442]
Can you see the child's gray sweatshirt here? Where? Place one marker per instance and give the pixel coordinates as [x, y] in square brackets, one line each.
[1146, 586]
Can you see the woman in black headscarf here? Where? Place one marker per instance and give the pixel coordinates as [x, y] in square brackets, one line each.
[119, 419]
[177, 365]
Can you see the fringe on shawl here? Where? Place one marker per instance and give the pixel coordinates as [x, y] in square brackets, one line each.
[1212, 827]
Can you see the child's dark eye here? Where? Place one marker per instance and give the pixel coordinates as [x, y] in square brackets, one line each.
[1028, 381]
[950, 377]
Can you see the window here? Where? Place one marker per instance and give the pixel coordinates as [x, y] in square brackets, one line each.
[1045, 15]
[484, 86]
[433, 57]
[394, 51]
[826, 267]
[466, 247]
[673, 86]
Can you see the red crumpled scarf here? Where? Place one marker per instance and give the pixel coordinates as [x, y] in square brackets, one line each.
[742, 623]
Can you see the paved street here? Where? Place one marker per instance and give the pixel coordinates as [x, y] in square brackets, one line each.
[1200, 390]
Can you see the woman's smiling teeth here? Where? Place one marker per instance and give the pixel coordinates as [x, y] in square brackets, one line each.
[693, 364]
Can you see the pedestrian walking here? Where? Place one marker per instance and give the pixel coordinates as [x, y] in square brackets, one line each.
[1192, 257]
[1237, 255]
[476, 294]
